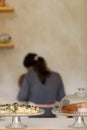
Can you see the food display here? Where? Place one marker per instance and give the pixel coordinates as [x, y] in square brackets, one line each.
[18, 109]
[74, 105]
[75, 108]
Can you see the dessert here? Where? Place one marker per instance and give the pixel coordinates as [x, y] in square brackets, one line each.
[75, 108]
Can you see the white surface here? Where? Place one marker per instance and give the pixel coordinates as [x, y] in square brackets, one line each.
[47, 123]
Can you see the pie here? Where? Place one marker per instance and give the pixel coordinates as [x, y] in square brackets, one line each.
[18, 109]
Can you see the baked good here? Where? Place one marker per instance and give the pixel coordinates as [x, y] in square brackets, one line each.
[18, 109]
[75, 108]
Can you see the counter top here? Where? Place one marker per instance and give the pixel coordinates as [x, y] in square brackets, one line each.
[59, 123]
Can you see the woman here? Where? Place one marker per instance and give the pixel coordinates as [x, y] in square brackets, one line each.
[42, 87]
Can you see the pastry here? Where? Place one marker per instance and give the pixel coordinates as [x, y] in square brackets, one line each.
[18, 109]
[75, 108]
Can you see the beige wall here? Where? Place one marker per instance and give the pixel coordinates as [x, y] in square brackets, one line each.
[55, 29]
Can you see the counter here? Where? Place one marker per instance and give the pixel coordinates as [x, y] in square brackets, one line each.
[59, 123]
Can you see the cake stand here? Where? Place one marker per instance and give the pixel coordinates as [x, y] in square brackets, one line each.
[16, 119]
[79, 121]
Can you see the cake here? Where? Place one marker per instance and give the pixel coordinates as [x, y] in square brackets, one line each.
[75, 108]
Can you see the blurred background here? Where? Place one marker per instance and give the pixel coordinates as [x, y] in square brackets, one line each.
[56, 30]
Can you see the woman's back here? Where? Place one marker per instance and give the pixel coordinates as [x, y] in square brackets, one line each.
[39, 93]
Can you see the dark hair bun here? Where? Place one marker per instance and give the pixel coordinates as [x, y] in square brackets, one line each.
[29, 60]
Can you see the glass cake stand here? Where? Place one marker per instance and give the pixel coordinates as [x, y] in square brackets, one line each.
[79, 118]
[74, 105]
[16, 119]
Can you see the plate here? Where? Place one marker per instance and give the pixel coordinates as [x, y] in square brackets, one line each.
[57, 112]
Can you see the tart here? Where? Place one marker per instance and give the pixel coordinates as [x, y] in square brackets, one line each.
[18, 109]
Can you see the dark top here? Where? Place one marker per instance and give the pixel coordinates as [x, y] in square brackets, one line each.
[34, 91]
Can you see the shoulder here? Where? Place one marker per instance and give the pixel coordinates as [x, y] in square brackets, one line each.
[56, 74]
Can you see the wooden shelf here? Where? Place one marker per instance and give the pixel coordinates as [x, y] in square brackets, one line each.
[6, 45]
[6, 9]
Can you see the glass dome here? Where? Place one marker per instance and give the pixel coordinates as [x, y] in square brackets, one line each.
[75, 103]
